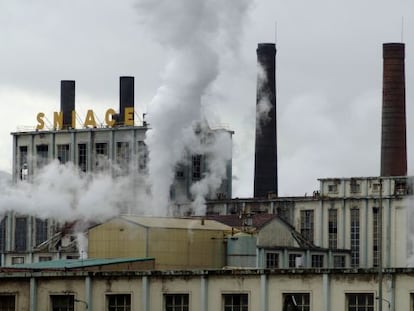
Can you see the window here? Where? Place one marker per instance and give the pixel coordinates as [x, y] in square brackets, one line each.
[333, 188]
[41, 230]
[119, 302]
[23, 162]
[376, 187]
[272, 260]
[236, 302]
[360, 302]
[17, 260]
[333, 228]
[122, 155]
[179, 171]
[339, 261]
[101, 149]
[295, 261]
[296, 301]
[176, 302]
[42, 152]
[400, 187]
[317, 261]
[355, 237]
[196, 166]
[20, 234]
[83, 157]
[62, 302]
[375, 236]
[142, 156]
[101, 156]
[7, 302]
[45, 258]
[355, 187]
[63, 153]
[306, 224]
[3, 234]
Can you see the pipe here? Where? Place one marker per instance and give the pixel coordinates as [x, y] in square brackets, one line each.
[33, 294]
[88, 293]
[264, 292]
[204, 293]
[145, 294]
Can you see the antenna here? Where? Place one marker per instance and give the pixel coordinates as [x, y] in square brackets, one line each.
[402, 29]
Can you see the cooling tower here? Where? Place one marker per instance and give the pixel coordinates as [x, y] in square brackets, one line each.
[393, 130]
[265, 166]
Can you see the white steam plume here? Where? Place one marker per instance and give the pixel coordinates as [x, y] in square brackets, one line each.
[63, 193]
[196, 34]
[217, 152]
[264, 106]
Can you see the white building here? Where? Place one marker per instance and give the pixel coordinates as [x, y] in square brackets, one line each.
[344, 214]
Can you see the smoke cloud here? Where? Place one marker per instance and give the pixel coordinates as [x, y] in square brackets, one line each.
[197, 35]
[63, 193]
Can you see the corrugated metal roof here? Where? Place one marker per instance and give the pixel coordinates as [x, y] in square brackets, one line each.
[176, 223]
[76, 263]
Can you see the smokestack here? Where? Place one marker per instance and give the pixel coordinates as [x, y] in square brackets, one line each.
[393, 131]
[126, 96]
[265, 166]
[67, 101]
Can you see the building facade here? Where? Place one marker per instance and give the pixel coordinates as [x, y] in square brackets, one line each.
[206, 290]
[362, 215]
[116, 147]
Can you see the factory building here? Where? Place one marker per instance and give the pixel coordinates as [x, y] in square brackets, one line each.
[329, 250]
[343, 214]
[116, 147]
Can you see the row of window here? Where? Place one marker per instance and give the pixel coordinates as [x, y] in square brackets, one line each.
[307, 230]
[296, 261]
[400, 187]
[196, 168]
[181, 302]
[20, 233]
[123, 154]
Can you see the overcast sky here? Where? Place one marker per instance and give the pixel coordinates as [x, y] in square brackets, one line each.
[329, 74]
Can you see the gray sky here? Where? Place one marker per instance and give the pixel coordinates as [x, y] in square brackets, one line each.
[329, 73]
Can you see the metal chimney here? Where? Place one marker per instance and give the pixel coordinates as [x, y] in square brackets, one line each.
[67, 101]
[265, 166]
[126, 96]
[393, 130]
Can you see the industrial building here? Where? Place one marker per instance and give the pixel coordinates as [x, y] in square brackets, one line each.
[116, 147]
[62, 287]
[345, 246]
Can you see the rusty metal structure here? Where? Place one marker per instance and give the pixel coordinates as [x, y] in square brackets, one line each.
[67, 101]
[393, 129]
[265, 168]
